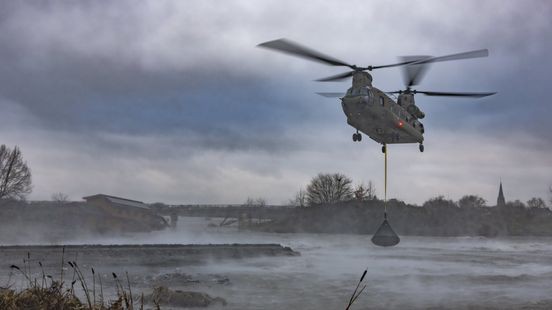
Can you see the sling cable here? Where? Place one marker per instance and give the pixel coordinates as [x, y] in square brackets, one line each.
[385, 235]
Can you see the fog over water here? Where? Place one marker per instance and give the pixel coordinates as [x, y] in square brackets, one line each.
[420, 272]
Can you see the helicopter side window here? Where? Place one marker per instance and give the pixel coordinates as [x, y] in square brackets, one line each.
[382, 102]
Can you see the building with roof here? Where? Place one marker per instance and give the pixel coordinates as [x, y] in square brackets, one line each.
[127, 213]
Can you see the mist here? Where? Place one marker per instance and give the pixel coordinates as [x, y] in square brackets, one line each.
[422, 272]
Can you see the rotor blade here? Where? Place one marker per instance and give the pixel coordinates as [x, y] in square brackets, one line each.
[449, 94]
[290, 47]
[332, 95]
[465, 55]
[413, 73]
[337, 77]
[392, 65]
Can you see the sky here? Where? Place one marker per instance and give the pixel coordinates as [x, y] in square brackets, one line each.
[171, 101]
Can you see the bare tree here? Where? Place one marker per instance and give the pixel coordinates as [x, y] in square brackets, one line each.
[365, 192]
[60, 197]
[536, 203]
[516, 204]
[329, 188]
[15, 176]
[249, 202]
[471, 201]
[439, 202]
[260, 202]
[300, 199]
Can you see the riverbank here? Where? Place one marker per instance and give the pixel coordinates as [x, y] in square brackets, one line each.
[161, 255]
[444, 220]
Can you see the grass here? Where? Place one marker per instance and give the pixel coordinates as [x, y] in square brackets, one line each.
[356, 292]
[47, 293]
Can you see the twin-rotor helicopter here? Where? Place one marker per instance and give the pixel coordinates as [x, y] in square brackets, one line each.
[370, 110]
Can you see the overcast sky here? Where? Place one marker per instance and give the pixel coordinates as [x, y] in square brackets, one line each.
[171, 101]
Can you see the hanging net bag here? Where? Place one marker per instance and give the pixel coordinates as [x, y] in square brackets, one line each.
[385, 235]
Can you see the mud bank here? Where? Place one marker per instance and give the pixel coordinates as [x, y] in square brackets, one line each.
[159, 255]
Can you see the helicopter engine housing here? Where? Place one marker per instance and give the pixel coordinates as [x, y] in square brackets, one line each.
[407, 102]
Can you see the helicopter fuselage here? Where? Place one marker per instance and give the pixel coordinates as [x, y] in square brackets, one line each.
[372, 112]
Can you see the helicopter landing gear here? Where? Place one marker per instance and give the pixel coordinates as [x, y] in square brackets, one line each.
[384, 148]
[357, 137]
[421, 147]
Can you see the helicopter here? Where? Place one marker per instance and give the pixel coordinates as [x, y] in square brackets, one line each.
[372, 111]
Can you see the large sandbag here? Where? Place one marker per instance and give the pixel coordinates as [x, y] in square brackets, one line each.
[385, 235]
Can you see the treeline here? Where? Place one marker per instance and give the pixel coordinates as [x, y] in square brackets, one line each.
[326, 188]
[331, 204]
[437, 217]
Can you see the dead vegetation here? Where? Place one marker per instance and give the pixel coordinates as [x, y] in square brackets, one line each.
[72, 290]
[47, 293]
[36, 297]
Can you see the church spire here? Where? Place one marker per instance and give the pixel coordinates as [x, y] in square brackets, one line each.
[500, 201]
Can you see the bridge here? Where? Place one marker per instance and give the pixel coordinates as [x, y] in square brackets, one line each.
[245, 214]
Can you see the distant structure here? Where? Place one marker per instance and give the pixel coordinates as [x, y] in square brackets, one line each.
[127, 212]
[500, 201]
[174, 220]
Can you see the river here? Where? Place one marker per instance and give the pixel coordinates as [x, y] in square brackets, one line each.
[419, 273]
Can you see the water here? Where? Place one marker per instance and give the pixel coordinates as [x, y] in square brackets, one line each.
[419, 273]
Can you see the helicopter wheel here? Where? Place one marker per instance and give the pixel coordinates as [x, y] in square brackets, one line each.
[359, 137]
[355, 139]
[384, 149]
[421, 146]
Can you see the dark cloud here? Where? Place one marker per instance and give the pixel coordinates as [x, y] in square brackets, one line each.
[168, 81]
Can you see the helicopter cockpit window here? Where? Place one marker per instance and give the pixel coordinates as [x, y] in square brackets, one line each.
[358, 91]
[353, 92]
[382, 102]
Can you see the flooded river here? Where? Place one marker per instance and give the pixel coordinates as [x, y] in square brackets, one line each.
[419, 273]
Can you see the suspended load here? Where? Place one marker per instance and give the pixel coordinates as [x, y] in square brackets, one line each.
[385, 235]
